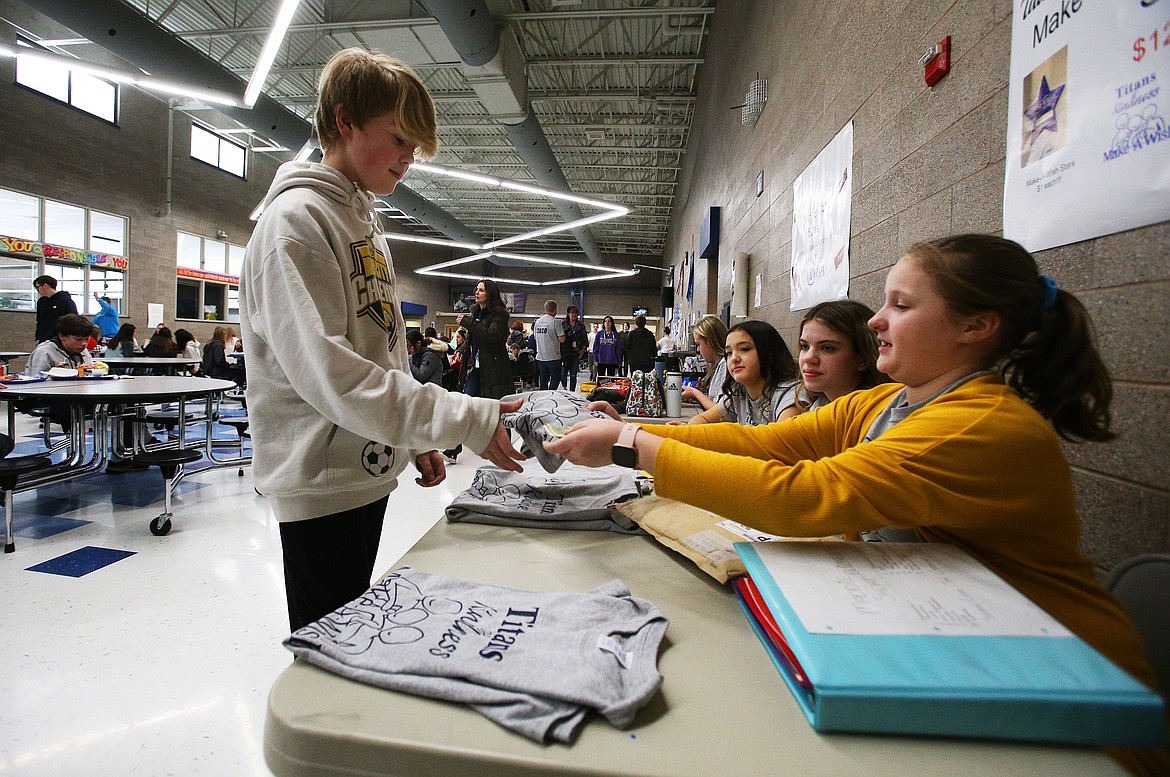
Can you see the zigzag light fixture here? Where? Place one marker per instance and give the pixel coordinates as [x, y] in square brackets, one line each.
[487, 250]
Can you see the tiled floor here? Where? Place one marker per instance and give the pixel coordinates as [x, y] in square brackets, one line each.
[159, 662]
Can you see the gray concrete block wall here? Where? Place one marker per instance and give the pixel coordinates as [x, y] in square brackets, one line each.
[926, 163]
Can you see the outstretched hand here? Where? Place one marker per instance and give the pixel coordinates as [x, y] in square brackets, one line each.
[606, 408]
[589, 443]
[500, 450]
[431, 467]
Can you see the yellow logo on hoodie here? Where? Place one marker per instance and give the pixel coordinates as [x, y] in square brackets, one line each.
[375, 290]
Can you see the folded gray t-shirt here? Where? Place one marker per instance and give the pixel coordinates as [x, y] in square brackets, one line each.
[574, 497]
[563, 408]
[533, 662]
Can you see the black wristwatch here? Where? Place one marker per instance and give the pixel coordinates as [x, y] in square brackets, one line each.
[624, 453]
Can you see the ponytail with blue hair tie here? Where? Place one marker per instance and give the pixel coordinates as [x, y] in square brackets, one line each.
[1048, 287]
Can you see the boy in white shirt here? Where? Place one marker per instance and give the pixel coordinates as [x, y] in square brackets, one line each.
[335, 413]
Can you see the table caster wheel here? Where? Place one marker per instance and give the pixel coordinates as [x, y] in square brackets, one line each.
[160, 529]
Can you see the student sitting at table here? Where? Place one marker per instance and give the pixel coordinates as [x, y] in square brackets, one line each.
[838, 355]
[123, 345]
[761, 377]
[711, 342]
[161, 345]
[68, 348]
[994, 365]
[188, 347]
[215, 362]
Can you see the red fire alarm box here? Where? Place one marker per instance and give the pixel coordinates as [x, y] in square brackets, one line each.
[936, 62]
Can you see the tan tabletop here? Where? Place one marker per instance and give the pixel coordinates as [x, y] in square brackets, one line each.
[722, 709]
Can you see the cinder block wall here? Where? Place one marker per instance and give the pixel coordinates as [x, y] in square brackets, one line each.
[53, 151]
[926, 163]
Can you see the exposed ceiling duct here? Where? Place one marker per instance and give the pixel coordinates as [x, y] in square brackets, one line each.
[124, 32]
[494, 67]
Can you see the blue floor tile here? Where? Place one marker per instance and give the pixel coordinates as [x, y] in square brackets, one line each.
[81, 562]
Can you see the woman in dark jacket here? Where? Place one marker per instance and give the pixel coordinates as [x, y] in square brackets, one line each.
[487, 326]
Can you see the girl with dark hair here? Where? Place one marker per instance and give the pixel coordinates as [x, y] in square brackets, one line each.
[761, 377]
[122, 344]
[188, 346]
[838, 354]
[487, 326]
[162, 345]
[486, 370]
[994, 364]
[573, 348]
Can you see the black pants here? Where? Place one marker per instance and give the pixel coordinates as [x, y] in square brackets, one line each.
[328, 560]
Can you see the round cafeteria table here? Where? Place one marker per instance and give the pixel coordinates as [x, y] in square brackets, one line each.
[96, 397]
[171, 364]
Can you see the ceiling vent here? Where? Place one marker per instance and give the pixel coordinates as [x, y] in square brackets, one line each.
[595, 135]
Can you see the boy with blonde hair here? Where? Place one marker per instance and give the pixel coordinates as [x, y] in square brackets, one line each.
[335, 413]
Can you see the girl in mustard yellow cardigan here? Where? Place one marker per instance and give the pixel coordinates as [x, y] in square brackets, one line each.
[993, 365]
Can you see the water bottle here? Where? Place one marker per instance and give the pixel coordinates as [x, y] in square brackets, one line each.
[673, 391]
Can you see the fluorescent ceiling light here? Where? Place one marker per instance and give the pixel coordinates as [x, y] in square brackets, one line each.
[609, 210]
[206, 95]
[271, 49]
[63, 41]
[599, 272]
[487, 250]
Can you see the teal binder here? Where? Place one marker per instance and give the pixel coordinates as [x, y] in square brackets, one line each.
[1032, 688]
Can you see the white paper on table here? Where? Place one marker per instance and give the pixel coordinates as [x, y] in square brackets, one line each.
[747, 532]
[900, 588]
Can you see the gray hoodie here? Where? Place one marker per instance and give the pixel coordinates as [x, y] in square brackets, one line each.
[335, 414]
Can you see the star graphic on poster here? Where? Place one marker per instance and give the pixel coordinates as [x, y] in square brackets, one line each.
[1045, 103]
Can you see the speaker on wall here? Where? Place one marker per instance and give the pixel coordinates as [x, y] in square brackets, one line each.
[667, 297]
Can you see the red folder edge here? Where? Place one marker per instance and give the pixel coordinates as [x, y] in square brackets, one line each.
[750, 595]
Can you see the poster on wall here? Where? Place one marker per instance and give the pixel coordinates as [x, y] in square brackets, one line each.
[516, 301]
[1088, 145]
[821, 202]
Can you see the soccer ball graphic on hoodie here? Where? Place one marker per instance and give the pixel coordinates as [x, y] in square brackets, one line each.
[378, 459]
